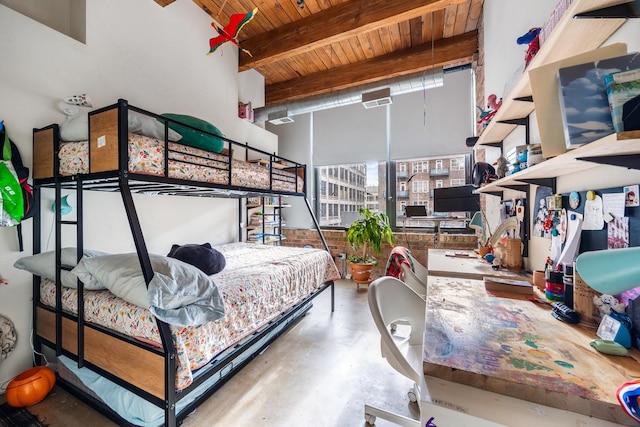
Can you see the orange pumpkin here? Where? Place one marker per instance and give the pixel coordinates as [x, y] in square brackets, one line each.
[30, 387]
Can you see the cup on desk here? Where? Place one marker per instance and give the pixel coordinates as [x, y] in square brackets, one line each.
[482, 251]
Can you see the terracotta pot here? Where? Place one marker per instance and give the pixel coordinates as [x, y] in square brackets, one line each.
[361, 272]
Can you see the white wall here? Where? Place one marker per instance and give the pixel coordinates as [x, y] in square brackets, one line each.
[156, 59]
[504, 22]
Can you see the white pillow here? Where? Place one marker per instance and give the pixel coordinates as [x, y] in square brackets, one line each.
[76, 128]
[149, 126]
[44, 265]
[179, 293]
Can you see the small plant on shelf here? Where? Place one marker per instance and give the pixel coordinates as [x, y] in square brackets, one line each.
[366, 235]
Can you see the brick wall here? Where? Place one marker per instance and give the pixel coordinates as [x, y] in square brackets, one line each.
[417, 243]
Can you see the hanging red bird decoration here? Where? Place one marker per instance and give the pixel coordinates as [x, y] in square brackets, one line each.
[230, 32]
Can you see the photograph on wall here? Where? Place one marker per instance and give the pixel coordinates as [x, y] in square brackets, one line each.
[542, 213]
[631, 196]
[618, 233]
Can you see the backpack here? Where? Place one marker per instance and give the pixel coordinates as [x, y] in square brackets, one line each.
[16, 194]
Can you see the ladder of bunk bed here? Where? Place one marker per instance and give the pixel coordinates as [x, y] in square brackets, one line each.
[163, 328]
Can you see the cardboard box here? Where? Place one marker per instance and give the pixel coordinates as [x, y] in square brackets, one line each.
[584, 104]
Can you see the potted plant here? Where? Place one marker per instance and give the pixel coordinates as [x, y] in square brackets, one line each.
[365, 235]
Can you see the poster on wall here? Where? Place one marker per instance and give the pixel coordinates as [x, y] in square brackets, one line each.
[618, 233]
[542, 212]
[632, 198]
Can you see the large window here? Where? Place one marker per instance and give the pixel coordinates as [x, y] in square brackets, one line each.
[351, 187]
[446, 171]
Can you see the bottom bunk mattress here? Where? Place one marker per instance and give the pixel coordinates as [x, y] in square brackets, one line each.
[146, 156]
[258, 283]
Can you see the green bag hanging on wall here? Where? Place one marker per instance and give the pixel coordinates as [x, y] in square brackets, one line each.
[11, 200]
[17, 201]
[11, 196]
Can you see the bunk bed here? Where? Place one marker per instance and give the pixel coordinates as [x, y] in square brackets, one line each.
[148, 359]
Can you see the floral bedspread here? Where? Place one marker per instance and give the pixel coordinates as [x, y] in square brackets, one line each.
[258, 283]
[146, 156]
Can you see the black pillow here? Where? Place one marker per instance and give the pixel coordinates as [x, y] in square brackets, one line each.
[207, 259]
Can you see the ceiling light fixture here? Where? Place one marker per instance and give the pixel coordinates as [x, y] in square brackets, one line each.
[280, 117]
[301, 3]
[377, 98]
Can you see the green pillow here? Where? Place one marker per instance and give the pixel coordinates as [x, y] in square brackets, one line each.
[194, 138]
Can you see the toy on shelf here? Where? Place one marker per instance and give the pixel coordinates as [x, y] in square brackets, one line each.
[493, 105]
[532, 39]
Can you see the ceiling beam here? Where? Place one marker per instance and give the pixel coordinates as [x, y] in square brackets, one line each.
[333, 25]
[164, 3]
[455, 49]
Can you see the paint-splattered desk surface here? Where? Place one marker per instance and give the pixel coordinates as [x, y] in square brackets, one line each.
[507, 344]
[465, 264]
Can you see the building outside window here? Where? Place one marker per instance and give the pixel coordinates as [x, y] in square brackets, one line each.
[344, 189]
[350, 187]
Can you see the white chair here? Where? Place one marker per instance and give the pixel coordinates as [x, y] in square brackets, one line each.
[391, 300]
[416, 279]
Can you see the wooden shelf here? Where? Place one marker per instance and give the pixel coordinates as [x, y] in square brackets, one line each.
[617, 144]
[569, 38]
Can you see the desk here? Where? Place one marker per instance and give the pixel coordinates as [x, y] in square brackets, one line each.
[465, 264]
[436, 221]
[506, 344]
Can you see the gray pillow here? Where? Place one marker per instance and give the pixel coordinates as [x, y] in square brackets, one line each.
[44, 265]
[179, 293]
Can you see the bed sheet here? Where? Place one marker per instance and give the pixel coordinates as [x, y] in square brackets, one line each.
[146, 156]
[258, 283]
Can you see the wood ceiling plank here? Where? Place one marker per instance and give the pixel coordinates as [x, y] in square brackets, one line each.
[405, 34]
[438, 24]
[388, 66]
[475, 11]
[461, 18]
[415, 25]
[450, 14]
[389, 37]
[370, 42]
[333, 24]
[348, 47]
[427, 27]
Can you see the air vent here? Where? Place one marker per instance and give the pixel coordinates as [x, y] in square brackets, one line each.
[279, 118]
[377, 99]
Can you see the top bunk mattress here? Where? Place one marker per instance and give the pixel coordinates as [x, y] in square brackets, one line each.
[147, 156]
[258, 283]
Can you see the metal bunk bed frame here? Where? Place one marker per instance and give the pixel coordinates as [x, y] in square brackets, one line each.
[127, 183]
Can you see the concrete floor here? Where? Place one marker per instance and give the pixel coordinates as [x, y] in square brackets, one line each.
[320, 373]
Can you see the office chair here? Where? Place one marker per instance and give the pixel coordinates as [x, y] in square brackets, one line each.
[390, 300]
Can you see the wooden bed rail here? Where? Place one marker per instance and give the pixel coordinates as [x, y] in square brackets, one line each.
[135, 365]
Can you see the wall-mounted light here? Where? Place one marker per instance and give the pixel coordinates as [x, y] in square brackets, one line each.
[67, 203]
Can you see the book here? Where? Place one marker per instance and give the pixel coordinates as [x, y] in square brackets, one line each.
[584, 103]
[623, 93]
[508, 285]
